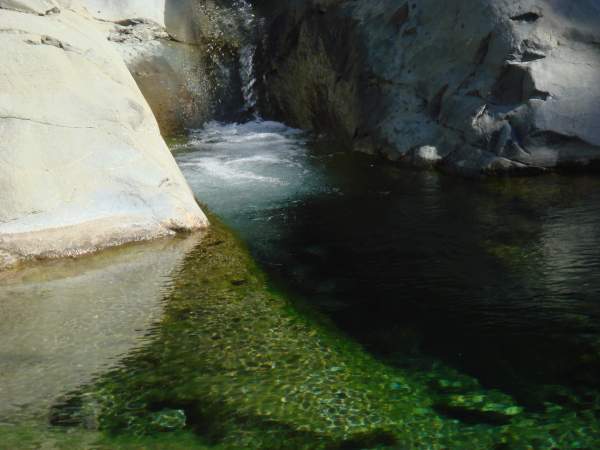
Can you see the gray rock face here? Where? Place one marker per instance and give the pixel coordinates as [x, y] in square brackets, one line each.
[183, 54]
[82, 163]
[494, 85]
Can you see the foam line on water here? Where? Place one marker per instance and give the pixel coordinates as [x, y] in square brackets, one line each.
[239, 167]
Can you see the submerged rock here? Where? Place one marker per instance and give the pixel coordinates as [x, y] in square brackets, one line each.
[83, 164]
[494, 408]
[169, 420]
[248, 371]
[64, 321]
[495, 86]
[246, 368]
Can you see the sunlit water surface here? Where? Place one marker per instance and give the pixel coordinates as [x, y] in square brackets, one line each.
[499, 278]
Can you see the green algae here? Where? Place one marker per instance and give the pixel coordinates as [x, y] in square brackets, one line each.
[176, 141]
[38, 436]
[234, 365]
[243, 365]
[512, 256]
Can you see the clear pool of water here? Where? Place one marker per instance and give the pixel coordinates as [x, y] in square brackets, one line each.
[498, 278]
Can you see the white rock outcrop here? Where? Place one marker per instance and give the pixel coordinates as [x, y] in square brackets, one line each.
[82, 163]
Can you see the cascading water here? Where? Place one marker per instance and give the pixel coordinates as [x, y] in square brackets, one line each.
[250, 25]
[249, 173]
[247, 76]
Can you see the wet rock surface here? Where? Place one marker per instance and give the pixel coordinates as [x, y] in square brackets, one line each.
[185, 84]
[496, 87]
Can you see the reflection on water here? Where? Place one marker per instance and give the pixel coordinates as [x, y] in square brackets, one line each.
[235, 365]
[64, 321]
[381, 247]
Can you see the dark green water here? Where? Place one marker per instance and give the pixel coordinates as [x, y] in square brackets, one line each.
[497, 279]
[376, 308]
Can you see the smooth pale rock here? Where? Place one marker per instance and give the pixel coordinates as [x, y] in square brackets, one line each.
[82, 162]
[117, 10]
[188, 71]
[513, 82]
[177, 79]
[29, 6]
[43, 7]
[173, 78]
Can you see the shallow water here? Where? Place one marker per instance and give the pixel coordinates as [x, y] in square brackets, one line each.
[398, 309]
[64, 321]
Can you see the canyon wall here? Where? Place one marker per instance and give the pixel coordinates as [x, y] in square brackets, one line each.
[471, 86]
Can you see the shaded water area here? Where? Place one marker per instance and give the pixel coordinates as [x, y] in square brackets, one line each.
[496, 279]
[358, 305]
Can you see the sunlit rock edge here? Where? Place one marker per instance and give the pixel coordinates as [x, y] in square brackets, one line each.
[82, 163]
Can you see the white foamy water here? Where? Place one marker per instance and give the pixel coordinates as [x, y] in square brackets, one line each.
[247, 52]
[247, 169]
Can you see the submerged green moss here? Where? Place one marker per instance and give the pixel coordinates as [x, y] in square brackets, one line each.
[36, 436]
[249, 371]
[512, 256]
[233, 365]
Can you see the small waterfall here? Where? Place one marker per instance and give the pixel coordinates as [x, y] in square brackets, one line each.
[247, 52]
[247, 75]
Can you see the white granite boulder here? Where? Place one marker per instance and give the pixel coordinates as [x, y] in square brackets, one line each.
[82, 163]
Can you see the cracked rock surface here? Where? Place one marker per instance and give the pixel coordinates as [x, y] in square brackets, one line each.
[494, 86]
[82, 163]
